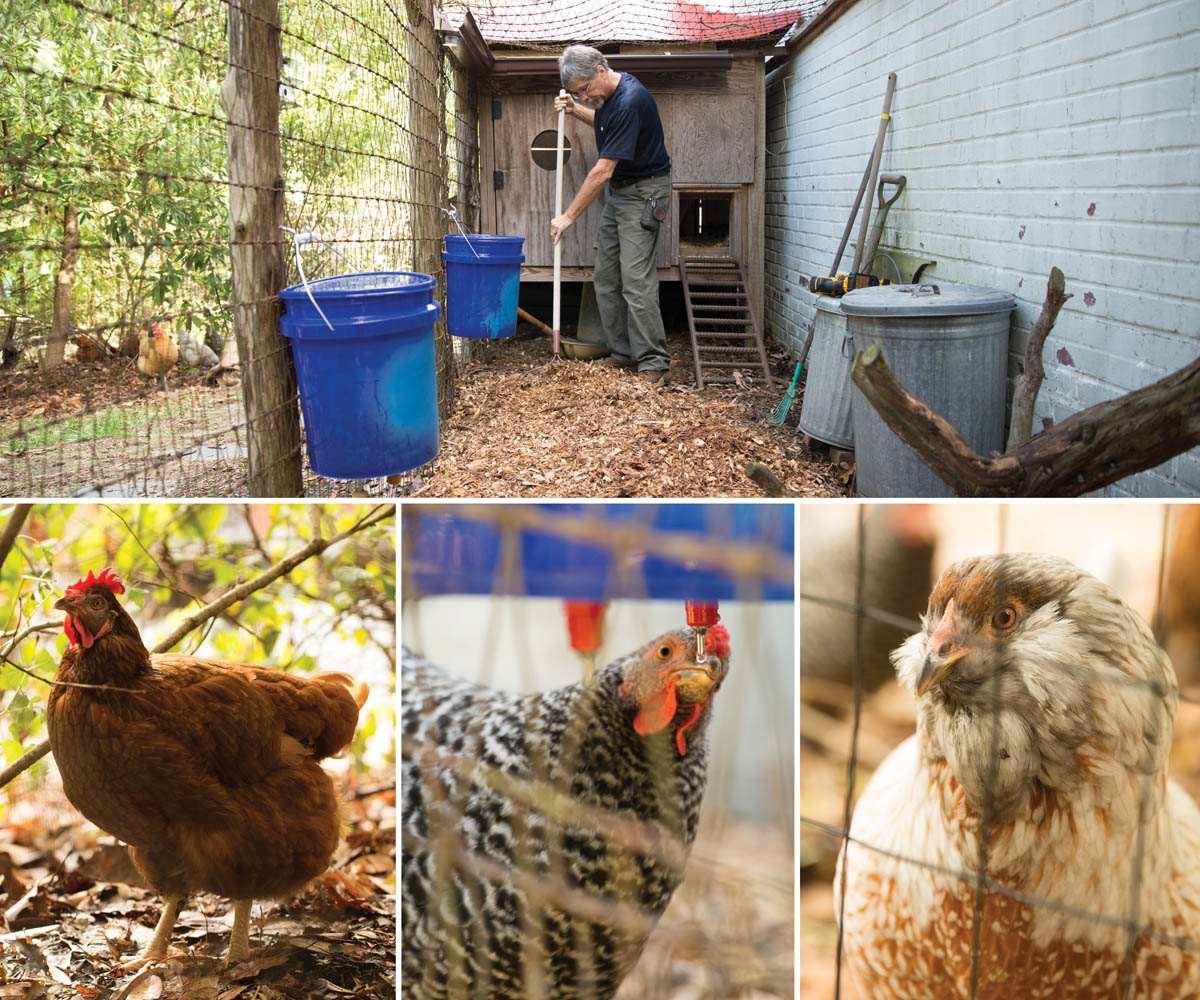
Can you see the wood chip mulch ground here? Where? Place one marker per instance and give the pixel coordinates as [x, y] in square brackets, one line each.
[524, 425]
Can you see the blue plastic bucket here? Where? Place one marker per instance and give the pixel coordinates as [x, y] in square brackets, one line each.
[483, 278]
[368, 389]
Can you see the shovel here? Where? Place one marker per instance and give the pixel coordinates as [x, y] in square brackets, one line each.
[778, 415]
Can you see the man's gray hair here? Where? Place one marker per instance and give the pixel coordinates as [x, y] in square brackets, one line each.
[579, 62]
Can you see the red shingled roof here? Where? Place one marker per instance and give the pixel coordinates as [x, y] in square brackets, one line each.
[545, 22]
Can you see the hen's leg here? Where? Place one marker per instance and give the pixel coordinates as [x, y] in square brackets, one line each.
[156, 950]
[239, 940]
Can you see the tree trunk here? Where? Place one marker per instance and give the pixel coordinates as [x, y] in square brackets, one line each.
[1084, 452]
[428, 192]
[250, 97]
[60, 324]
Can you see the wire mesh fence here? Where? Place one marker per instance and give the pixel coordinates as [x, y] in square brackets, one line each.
[152, 153]
[966, 914]
[537, 856]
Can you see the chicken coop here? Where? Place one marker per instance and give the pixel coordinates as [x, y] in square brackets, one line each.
[526, 610]
[708, 81]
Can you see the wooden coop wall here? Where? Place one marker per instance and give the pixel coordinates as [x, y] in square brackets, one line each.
[715, 129]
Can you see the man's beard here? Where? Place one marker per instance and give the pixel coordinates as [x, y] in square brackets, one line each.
[595, 103]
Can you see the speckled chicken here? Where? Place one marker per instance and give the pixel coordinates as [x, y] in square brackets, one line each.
[1045, 716]
[207, 770]
[543, 835]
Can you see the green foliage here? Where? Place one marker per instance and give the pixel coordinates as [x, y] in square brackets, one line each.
[334, 611]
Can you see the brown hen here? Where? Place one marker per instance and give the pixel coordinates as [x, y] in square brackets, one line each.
[207, 770]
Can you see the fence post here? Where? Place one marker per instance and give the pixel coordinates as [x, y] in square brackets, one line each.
[250, 97]
[426, 124]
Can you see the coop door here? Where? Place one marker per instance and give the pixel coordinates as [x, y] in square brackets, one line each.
[709, 223]
[525, 134]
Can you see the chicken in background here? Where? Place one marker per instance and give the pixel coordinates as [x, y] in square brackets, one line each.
[207, 771]
[543, 835]
[899, 541]
[157, 352]
[195, 353]
[89, 349]
[1178, 615]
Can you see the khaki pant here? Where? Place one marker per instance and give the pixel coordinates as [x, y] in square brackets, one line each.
[626, 280]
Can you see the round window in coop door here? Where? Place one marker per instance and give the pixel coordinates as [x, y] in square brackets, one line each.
[544, 149]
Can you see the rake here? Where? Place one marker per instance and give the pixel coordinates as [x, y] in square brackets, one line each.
[778, 415]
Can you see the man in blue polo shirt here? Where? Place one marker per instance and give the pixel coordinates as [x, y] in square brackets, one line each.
[633, 163]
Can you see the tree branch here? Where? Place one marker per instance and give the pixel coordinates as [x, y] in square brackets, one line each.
[244, 590]
[24, 762]
[12, 529]
[1084, 452]
[1030, 382]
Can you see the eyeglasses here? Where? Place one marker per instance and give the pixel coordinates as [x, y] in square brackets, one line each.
[586, 93]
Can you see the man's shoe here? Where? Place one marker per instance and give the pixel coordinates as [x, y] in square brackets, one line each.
[655, 376]
[611, 362]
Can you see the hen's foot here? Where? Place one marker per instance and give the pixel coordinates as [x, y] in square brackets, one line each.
[156, 950]
[239, 940]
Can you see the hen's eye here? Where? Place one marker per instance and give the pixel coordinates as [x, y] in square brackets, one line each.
[664, 652]
[1004, 618]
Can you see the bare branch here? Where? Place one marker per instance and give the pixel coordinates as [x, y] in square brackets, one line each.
[24, 762]
[12, 529]
[1084, 452]
[1030, 382]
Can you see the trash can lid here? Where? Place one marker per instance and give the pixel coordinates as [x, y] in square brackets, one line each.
[828, 304]
[926, 300]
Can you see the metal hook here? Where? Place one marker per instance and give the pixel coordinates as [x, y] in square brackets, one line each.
[307, 237]
[452, 214]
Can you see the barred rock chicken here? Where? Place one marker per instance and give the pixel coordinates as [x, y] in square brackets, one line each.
[1045, 717]
[208, 771]
[545, 834]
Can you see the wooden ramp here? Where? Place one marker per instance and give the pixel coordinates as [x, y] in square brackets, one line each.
[721, 320]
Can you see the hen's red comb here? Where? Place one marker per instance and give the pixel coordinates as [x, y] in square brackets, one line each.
[107, 578]
[716, 641]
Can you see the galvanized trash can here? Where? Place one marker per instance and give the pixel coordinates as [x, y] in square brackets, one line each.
[825, 412]
[948, 345]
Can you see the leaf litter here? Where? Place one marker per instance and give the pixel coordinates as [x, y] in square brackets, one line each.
[75, 909]
[524, 425]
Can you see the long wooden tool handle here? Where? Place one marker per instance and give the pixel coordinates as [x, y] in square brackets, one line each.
[558, 186]
[875, 158]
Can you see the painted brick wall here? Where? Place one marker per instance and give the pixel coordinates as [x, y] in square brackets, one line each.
[1031, 135]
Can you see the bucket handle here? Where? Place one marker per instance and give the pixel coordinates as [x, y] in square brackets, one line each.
[923, 290]
[452, 215]
[307, 237]
[848, 345]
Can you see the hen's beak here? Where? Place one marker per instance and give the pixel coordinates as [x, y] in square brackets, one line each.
[936, 669]
[68, 604]
[941, 652]
[695, 681]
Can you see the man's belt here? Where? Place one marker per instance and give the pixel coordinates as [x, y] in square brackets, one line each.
[620, 182]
